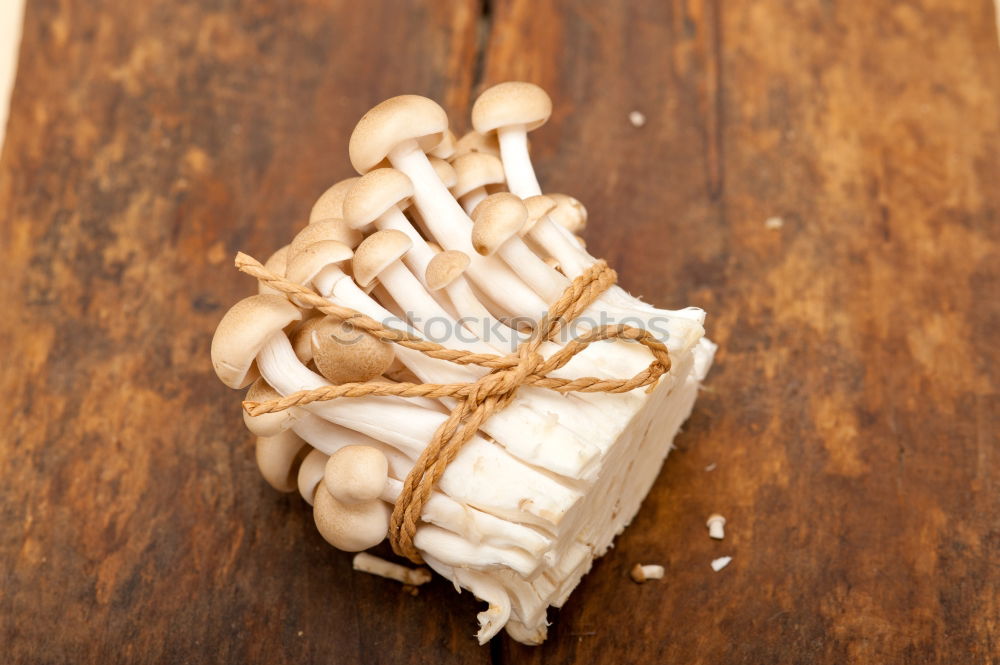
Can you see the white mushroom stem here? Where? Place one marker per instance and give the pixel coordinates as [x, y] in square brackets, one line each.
[536, 498]
[420, 254]
[566, 450]
[368, 563]
[474, 525]
[484, 588]
[452, 228]
[640, 572]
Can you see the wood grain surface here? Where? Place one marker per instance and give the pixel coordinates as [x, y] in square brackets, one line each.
[850, 421]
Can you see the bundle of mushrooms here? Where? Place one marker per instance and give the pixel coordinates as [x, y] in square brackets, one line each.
[454, 240]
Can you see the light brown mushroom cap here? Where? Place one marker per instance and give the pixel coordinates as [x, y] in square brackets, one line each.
[350, 527]
[327, 229]
[569, 212]
[445, 268]
[311, 474]
[399, 119]
[267, 424]
[538, 207]
[330, 204]
[344, 354]
[279, 457]
[446, 148]
[474, 170]
[373, 194]
[356, 473]
[511, 103]
[497, 219]
[377, 252]
[242, 333]
[312, 259]
[275, 263]
[445, 171]
[301, 340]
[475, 142]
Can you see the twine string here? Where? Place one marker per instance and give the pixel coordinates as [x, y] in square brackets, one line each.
[476, 401]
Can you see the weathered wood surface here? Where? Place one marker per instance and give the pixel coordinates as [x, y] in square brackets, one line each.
[851, 416]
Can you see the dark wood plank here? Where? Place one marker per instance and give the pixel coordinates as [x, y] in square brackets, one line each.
[852, 414]
[147, 143]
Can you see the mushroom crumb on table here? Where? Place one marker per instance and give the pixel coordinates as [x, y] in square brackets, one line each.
[406, 379]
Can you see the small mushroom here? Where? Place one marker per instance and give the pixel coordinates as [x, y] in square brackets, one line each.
[445, 171]
[476, 171]
[640, 572]
[310, 474]
[569, 213]
[330, 204]
[355, 474]
[267, 424]
[279, 458]
[446, 148]
[513, 109]
[276, 263]
[335, 230]
[379, 199]
[350, 527]
[473, 141]
[497, 222]
[243, 332]
[716, 526]
[345, 354]
[366, 563]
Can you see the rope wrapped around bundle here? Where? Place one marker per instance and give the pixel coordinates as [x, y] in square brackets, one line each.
[478, 400]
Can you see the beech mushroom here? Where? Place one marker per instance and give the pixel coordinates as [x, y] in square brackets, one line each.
[275, 263]
[543, 487]
[330, 205]
[279, 457]
[475, 170]
[400, 130]
[497, 222]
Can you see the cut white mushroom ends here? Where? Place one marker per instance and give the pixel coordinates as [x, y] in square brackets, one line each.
[642, 572]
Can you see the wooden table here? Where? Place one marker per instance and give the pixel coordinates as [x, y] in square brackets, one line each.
[850, 421]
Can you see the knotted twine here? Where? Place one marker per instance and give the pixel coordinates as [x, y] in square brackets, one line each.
[478, 400]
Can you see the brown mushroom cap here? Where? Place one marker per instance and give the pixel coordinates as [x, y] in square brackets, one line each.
[475, 142]
[474, 170]
[511, 103]
[266, 424]
[569, 212]
[350, 527]
[330, 204]
[312, 259]
[242, 333]
[279, 458]
[275, 263]
[446, 148]
[399, 119]
[311, 474]
[373, 194]
[445, 171]
[327, 229]
[497, 219]
[356, 473]
[301, 340]
[538, 207]
[377, 252]
[345, 354]
[445, 268]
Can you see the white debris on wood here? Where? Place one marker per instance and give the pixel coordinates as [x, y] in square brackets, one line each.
[774, 223]
[716, 526]
[642, 572]
[710, 467]
[637, 119]
[721, 562]
[368, 563]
